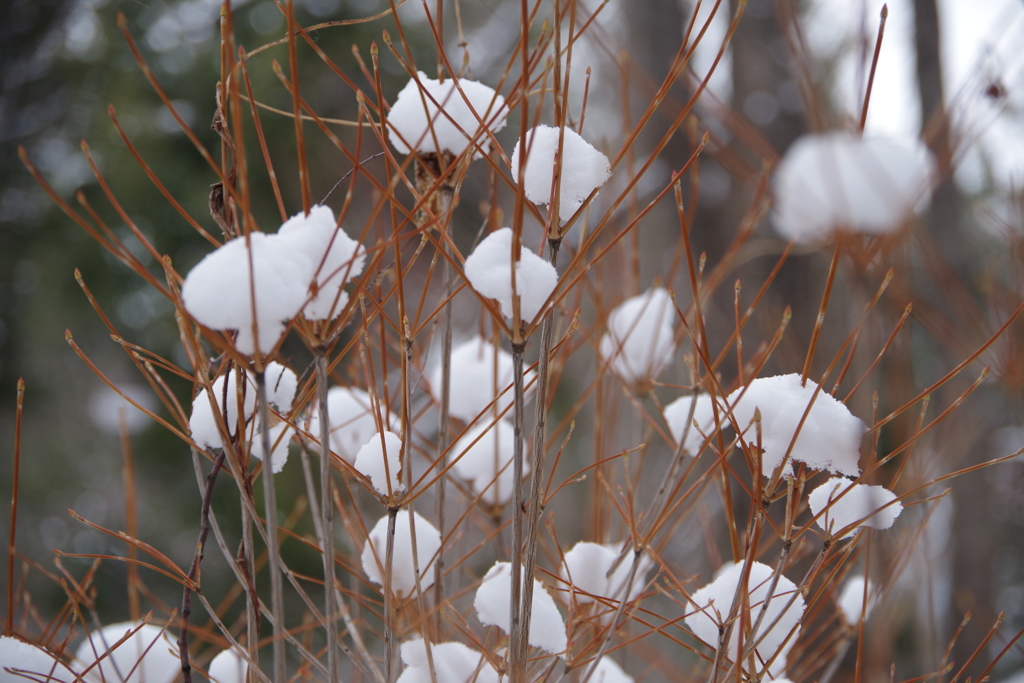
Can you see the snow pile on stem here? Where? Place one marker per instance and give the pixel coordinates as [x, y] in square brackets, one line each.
[148, 653]
[403, 575]
[841, 181]
[677, 416]
[453, 663]
[203, 423]
[607, 671]
[479, 372]
[639, 341]
[371, 459]
[36, 663]
[489, 271]
[334, 257]
[416, 121]
[779, 628]
[839, 503]
[583, 169]
[281, 385]
[829, 438]
[218, 292]
[487, 463]
[492, 603]
[851, 601]
[586, 568]
[353, 420]
[228, 667]
[280, 438]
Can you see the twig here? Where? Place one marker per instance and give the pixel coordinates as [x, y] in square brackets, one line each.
[327, 515]
[193, 572]
[270, 505]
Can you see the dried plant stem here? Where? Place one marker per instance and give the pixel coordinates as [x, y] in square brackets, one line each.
[270, 507]
[448, 283]
[193, 572]
[536, 508]
[247, 558]
[517, 653]
[327, 515]
[389, 599]
[14, 506]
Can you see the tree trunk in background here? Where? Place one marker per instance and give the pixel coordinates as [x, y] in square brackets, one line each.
[972, 553]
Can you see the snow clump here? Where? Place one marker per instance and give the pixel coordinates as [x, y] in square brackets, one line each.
[677, 413]
[584, 169]
[371, 458]
[489, 271]
[492, 603]
[218, 291]
[586, 568]
[148, 653]
[334, 257]
[607, 671]
[455, 129]
[640, 337]
[228, 667]
[479, 373]
[352, 418]
[483, 457]
[281, 385]
[714, 607]
[841, 181]
[851, 600]
[280, 437]
[453, 663]
[829, 438]
[203, 423]
[839, 503]
[403, 576]
[37, 663]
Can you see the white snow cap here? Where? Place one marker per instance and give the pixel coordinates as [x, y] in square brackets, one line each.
[334, 257]
[370, 461]
[403, 576]
[479, 373]
[639, 341]
[829, 438]
[281, 385]
[492, 603]
[353, 420]
[838, 180]
[203, 424]
[586, 568]
[714, 604]
[584, 169]
[413, 122]
[280, 439]
[607, 671]
[150, 645]
[228, 667]
[217, 291]
[453, 663]
[851, 600]
[489, 271]
[487, 464]
[21, 656]
[860, 504]
[677, 413]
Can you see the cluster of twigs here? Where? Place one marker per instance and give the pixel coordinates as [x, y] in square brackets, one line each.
[603, 466]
